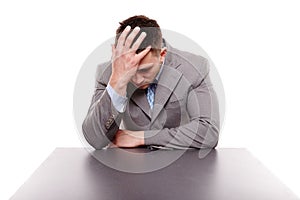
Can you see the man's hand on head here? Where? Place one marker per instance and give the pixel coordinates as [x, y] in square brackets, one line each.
[125, 60]
[127, 138]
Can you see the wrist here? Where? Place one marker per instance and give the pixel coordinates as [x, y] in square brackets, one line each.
[119, 86]
[138, 136]
[141, 137]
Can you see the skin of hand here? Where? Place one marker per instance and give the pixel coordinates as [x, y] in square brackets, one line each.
[127, 138]
[125, 61]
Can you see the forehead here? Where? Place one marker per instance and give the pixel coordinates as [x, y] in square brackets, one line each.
[149, 57]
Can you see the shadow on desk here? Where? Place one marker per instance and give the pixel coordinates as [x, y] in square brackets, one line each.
[143, 160]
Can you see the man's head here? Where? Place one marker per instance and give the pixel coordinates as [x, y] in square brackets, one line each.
[150, 65]
[149, 26]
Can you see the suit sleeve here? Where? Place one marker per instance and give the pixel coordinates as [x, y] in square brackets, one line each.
[202, 130]
[102, 121]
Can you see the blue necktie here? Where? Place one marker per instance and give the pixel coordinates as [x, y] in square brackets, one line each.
[150, 94]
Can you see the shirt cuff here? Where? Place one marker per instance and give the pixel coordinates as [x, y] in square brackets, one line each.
[118, 101]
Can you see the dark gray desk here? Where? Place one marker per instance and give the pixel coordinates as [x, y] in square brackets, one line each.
[72, 173]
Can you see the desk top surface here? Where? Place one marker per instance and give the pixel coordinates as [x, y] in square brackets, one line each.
[75, 173]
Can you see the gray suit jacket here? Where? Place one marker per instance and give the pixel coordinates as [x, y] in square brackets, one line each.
[185, 113]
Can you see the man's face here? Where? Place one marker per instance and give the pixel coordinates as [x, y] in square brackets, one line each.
[148, 69]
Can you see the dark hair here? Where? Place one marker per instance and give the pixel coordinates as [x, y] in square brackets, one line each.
[150, 26]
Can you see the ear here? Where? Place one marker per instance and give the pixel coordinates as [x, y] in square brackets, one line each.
[163, 53]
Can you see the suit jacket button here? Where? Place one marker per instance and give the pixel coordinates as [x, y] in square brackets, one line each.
[107, 125]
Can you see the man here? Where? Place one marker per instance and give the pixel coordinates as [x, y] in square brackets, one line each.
[151, 94]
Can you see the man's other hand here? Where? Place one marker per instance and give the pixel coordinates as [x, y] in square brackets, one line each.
[126, 138]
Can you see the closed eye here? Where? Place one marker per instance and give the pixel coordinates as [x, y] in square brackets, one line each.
[144, 70]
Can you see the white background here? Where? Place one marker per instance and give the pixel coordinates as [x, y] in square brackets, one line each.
[255, 46]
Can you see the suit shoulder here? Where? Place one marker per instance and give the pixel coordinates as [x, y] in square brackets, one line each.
[103, 72]
[194, 67]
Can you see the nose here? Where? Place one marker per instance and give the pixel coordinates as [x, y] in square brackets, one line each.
[137, 79]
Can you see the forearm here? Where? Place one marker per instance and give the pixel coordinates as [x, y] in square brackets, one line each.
[101, 122]
[196, 134]
[201, 129]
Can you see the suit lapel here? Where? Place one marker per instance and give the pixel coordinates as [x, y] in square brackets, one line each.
[139, 98]
[165, 86]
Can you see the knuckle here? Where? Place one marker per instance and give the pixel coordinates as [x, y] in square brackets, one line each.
[117, 52]
[121, 38]
[132, 62]
[129, 40]
[134, 46]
